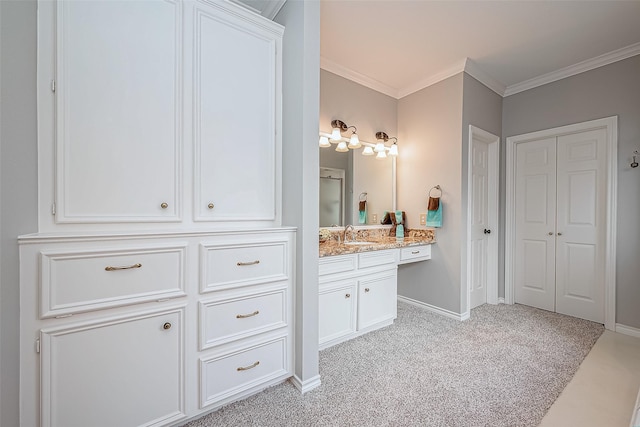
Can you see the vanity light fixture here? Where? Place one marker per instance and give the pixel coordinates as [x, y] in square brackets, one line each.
[381, 155]
[381, 149]
[393, 150]
[324, 142]
[342, 147]
[368, 151]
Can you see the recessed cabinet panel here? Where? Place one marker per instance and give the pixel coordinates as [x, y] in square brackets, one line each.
[235, 107]
[73, 282]
[127, 372]
[337, 314]
[377, 298]
[118, 111]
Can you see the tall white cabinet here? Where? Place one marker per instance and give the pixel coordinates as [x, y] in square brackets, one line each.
[159, 285]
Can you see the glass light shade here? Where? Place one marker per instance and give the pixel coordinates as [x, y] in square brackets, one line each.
[393, 151]
[368, 151]
[382, 155]
[342, 147]
[324, 142]
[379, 148]
[335, 134]
[354, 142]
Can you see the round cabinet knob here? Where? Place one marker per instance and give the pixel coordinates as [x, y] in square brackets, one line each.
[164, 205]
[366, 289]
[550, 233]
[559, 234]
[347, 296]
[166, 326]
[210, 205]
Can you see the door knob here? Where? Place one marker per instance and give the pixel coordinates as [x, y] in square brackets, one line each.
[559, 234]
[487, 231]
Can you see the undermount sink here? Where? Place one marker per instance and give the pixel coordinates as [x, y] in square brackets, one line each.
[359, 243]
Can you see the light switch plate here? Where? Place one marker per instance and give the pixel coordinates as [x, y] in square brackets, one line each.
[423, 219]
[374, 218]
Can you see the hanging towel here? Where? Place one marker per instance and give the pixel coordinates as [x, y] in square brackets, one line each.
[362, 212]
[434, 216]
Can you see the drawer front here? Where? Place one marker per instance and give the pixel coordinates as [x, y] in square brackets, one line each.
[229, 374]
[73, 282]
[377, 258]
[415, 252]
[229, 319]
[336, 264]
[226, 266]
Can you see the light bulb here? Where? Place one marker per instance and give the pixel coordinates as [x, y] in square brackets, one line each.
[324, 142]
[368, 151]
[393, 151]
[379, 147]
[342, 147]
[381, 155]
[335, 134]
[354, 142]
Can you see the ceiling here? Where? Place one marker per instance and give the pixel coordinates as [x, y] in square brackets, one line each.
[400, 46]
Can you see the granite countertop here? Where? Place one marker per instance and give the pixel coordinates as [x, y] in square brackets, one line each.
[378, 241]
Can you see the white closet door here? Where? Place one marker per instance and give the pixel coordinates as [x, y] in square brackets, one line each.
[581, 204]
[479, 222]
[535, 223]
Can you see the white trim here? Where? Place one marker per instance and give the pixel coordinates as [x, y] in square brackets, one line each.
[572, 70]
[611, 126]
[356, 77]
[493, 142]
[305, 386]
[628, 330]
[500, 300]
[456, 68]
[474, 70]
[434, 309]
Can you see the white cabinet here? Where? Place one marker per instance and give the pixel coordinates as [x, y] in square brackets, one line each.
[377, 298]
[121, 372]
[337, 314]
[174, 119]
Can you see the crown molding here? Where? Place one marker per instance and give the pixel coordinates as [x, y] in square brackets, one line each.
[572, 70]
[472, 68]
[354, 76]
[456, 68]
[269, 9]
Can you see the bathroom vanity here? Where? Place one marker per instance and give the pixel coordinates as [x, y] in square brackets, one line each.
[358, 284]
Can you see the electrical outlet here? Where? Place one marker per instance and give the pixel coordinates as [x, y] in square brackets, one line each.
[423, 219]
[374, 218]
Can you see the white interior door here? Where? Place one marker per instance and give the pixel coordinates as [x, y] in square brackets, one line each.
[480, 227]
[581, 212]
[535, 218]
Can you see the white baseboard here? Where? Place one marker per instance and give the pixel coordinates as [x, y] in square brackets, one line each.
[628, 330]
[305, 386]
[433, 308]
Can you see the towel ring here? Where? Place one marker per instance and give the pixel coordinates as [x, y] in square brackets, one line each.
[363, 197]
[436, 187]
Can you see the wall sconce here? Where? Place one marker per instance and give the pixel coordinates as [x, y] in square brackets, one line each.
[338, 126]
[382, 137]
[335, 137]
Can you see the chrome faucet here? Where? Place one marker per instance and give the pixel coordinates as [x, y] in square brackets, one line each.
[347, 228]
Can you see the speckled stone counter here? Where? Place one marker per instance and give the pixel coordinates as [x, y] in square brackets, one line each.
[379, 240]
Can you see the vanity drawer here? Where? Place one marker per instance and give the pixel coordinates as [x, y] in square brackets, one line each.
[415, 253]
[336, 264]
[229, 374]
[233, 318]
[78, 281]
[225, 266]
[377, 258]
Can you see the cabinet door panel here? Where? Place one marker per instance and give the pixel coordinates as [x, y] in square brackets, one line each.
[234, 98]
[118, 111]
[121, 373]
[377, 298]
[337, 310]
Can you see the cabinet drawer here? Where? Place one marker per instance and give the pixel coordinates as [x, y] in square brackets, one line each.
[225, 266]
[73, 282]
[415, 253]
[229, 374]
[377, 258]
[336, 264]
[224, 320]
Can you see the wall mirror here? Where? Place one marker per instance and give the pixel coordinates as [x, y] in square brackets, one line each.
[345, 176]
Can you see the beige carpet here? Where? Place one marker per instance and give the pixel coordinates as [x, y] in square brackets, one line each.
[503, 367]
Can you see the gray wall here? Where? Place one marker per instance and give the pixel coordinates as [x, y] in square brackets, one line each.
[18, 192]
[481, 107]
[606, 91]
[430, 130]
[300, 177]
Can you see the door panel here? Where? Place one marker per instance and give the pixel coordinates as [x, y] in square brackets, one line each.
[479, 222]
[535, 223]
[581, 205]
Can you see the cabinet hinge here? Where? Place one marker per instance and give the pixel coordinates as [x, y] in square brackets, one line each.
[53, 85]
[53, 208]
[38, 346]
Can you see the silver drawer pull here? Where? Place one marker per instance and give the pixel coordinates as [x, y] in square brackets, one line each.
[244, 316]
[415, 252]
[246, 368]
[125, 267]
[242, 264]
